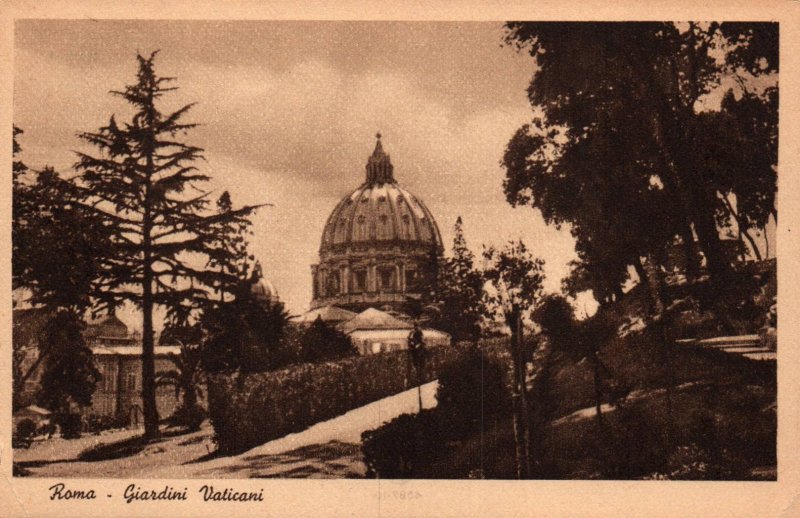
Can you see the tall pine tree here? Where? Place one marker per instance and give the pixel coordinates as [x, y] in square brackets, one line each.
[459, 291]
[144, 186]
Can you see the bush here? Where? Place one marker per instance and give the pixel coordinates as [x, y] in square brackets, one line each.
[70, 426]
[321, 342]
[471, 391]
[244, 334]
[26, 429]
[404, 445]
[190, 417]
[96, 423]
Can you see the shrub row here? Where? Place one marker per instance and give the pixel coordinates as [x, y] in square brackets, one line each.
[250, 409]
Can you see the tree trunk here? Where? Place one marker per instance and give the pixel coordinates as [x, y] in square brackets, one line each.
[662, 322]
[742, 228]
[598, 389]
[150, 410]
[190, 396]
[518, 399]
[541, 413]
[523, 390]
[690, 252]
[686, 183]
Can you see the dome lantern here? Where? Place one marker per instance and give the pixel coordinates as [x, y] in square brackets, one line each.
[379, 165]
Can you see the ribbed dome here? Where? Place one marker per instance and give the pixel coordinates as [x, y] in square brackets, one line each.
[380, 211]
[379, 246]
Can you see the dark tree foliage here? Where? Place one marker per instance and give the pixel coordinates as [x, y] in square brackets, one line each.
[144, 185]
[227, 246]
[426, 285]
[69, 374]
[458, 294]
[244, 334]
[57, 246]
[516, 277]
[749, 124]
[56, 250]
[404, 446]
[471, 393]
[625, 151]
[556, 318]
[322, 342]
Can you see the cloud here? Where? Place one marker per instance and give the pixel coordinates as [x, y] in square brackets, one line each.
[292, 122]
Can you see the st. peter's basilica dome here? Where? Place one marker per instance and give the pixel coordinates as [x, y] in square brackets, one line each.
[376, 243]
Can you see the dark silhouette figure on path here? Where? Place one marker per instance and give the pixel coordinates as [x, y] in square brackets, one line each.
[416, 348]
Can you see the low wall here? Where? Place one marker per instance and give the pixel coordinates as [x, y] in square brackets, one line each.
[247, 410]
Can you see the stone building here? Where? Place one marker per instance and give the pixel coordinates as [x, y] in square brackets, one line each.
[116, 353]
[374, 331]
[376, 245]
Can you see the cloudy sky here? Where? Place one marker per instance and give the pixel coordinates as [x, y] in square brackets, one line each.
[289, 111]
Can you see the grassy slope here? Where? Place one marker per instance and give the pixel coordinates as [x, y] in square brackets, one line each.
[724, 421]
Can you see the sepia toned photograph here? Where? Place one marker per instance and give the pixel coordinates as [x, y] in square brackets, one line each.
[476, 250]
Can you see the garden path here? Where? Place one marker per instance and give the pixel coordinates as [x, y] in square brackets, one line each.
[331, 449]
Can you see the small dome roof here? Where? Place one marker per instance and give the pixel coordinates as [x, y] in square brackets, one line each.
[380, 210]
[264, 289]
[261, 288]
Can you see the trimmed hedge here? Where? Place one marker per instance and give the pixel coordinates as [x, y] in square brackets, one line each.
[247, 410]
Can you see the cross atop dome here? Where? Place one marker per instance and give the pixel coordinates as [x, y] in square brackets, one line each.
[379, 165]
[378, 147]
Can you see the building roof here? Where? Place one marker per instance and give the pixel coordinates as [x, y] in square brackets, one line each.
[326, 313]
[372, 318]
[127, 350]
[380, 210]
[33, 409]
[107, 326]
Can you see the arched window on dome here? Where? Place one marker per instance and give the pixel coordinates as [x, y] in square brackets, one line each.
[373, 231]
[406, 226]
[383, 228]
[358, 281]
[361, 229]
[412, 279]
[333, 284]
[386, 278]
[424, 229]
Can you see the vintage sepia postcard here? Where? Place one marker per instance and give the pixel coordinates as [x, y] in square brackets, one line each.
[399, 260]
